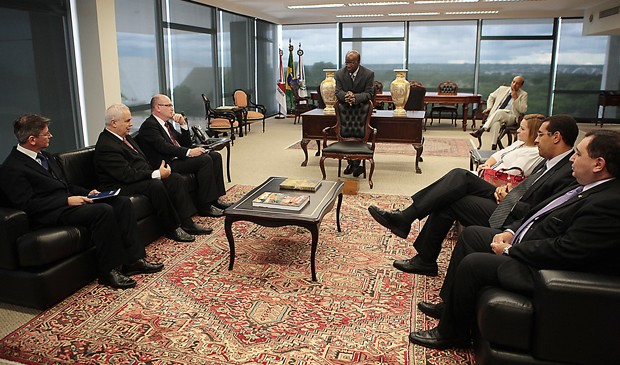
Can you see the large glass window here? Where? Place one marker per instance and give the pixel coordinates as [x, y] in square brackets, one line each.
[36, 73]
[517, 47]
[136, 36]
[443, 51]
[580, 64]
[266, 58]
[236, 54]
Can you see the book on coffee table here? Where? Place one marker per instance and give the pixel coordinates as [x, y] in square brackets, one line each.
[300, 184]
[281, 201]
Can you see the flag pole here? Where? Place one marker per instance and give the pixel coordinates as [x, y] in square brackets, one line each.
[280, 88]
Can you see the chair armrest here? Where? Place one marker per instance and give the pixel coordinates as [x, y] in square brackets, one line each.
[373, 136]
[325, 131]
[576, 317]
[13, 224]
[259, 107]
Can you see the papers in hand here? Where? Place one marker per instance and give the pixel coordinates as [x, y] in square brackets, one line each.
[104, 194]
[281, 201]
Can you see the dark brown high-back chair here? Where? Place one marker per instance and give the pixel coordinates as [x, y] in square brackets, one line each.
[220, 121]
[353, 134]
[252, 112]
[302, 104]
[445, 88]
[416, 96]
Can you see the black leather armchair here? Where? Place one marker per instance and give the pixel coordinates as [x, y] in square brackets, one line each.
[572, 318]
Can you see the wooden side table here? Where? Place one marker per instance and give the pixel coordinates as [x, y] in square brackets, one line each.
[607, 98]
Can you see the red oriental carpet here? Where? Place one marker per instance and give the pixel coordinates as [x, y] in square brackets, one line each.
[266, 311]
[447, 147]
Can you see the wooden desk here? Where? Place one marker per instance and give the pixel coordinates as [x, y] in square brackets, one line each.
[391, 129]
[432, 97]
[607, 98]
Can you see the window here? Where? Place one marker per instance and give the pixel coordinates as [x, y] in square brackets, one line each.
[236, 55]
[266, 57]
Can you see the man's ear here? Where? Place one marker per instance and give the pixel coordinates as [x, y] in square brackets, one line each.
[599, 164]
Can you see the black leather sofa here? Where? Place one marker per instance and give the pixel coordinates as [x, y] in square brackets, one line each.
[39, 268]
[572, 318]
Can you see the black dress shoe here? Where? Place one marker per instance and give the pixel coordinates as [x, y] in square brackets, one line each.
[432, 310]
[432, 339]
[195, 228]
[141, 267]
[394, 221]
[358, 171]
[117, 280]
[180, 235]
[416, 265]
[477, 133]
[212, 211]
[348, 170]
[221, 204]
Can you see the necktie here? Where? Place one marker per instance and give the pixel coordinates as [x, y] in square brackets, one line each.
[174, 141]
[43, 161]
[497, 219]
[129, 144]
[352, 77]
[505, 102]
[516, 239]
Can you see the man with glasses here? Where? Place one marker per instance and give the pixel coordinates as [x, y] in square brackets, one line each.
[464, 197]
[160, 141]
[33, 182]
[354, 85]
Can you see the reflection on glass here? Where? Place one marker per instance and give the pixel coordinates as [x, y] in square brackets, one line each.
[266, 58]
[443, 51]
[517, 27]
[137, 50]
[236, 52]
[187, 13]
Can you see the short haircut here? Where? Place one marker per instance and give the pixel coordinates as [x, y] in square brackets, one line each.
[29, 125]
[566, 125]
[606, 144]
[354, 52]
[115, 112]
[534, 121]
[155, 100]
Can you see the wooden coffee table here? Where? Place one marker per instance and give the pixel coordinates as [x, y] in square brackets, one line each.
[310, 217]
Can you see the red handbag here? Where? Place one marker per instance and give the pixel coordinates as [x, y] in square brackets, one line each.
[500, 177]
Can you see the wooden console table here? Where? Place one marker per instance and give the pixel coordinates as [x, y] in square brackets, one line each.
[391, 129]
[607, 98]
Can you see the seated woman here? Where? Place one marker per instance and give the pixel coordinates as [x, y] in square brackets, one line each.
[523, 153]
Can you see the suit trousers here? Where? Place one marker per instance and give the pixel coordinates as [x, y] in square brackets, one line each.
[209, 175]
[494, 122]
[112, 223]
[170, 198]
[475, 272]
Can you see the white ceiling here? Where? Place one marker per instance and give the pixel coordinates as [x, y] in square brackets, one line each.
[276, 10]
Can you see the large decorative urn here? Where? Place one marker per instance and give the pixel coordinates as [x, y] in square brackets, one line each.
[399, 88]
[328, 91]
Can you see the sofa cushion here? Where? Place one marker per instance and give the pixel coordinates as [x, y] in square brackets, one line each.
[505, 318]
[79, 167]
[48, 245]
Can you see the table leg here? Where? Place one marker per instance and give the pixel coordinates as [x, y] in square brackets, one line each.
[231, 241]
[419, 148]
[338, 212]
[318, 148]
[314, 230]
[304, 147]
[228, 160]
[465, 114]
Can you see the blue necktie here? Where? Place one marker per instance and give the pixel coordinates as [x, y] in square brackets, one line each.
[43, 161]
[516, 239]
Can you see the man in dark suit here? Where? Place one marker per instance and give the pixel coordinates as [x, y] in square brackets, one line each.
[120, 163]
[33, 182]
[576, 229]
[354, 85]
[464, 197]
[161, 141]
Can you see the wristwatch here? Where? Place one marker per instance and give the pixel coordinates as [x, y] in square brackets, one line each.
[506, 250]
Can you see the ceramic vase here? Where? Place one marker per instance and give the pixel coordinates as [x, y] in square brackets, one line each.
[399, 88]
[328, 91]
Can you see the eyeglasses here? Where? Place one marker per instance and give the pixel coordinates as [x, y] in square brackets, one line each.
[168, 105]
[48, 134]
[540, 134]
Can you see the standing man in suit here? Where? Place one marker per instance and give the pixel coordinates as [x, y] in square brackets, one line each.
[503, 106]
[161, 141]
[120, 163]
[576, 229]
[354, 85]
[464, 197]
[33, 182]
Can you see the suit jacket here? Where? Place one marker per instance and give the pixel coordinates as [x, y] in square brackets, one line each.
[363, 87]
[557, 178]
[31, 188]
[582, 234]
[158, 146]
[117, 164]
[519, 106]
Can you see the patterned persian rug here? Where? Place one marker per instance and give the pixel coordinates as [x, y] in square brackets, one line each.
[445, 147]
[266, 311]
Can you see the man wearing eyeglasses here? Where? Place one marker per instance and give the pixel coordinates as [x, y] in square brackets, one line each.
[33, 182]
[160, 141]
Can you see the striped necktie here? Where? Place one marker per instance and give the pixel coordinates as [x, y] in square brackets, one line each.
[174, 141]
[506, 100]
[43, 161]
[497, 219]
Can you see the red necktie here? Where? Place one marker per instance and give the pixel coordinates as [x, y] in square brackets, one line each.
[129, 144]
[174, 141]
